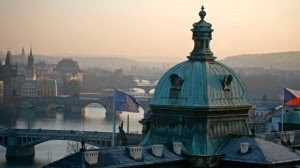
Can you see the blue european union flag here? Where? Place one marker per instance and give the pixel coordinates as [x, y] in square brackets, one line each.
[125, 102]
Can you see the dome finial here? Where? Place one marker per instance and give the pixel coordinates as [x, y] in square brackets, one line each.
[202, 35]
[202, 13]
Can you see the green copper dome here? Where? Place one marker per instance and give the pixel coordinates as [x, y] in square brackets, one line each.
[200, 84]
[198, 102]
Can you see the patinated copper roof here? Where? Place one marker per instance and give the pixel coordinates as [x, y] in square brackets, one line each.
[200, 82]
[260, 151]
[202, 87]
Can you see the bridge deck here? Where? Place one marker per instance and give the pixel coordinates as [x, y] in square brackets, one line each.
[36, 136]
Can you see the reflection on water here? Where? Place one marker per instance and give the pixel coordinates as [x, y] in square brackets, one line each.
[92, 119]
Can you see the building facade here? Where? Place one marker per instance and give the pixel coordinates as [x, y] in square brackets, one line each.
[42, 88]
[29, 89]
[33, 87]
[73, 87]
[46, 88]
[69, 77]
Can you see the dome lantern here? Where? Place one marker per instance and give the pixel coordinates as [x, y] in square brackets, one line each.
[202, 35]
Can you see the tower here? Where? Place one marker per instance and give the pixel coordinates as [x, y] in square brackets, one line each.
[23, 52]
[30, 70]
[8, 61]
[30, 59]
[9, 76]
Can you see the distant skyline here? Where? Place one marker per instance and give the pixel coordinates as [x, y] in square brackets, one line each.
[157, 30]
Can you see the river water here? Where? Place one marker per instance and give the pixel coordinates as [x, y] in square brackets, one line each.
[93, 118]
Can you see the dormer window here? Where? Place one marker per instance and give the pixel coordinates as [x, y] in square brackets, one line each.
[226, 82]
[176, 83]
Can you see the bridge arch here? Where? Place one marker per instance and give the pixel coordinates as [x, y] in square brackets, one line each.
[97, 143]
[105, 102]
[152, 91]
[138, 90]
[97, 104]
[27, 138]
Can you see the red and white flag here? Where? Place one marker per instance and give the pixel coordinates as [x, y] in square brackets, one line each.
[291, 97]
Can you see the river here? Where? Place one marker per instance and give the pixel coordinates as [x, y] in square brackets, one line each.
[93, 118]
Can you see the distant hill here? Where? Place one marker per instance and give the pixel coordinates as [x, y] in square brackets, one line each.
[281, 60]
[112, 62]
[104, 62]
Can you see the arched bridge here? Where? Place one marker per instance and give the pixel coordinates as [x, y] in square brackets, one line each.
[20, 142]
[106, 100]
[72, 104]
[147, 86]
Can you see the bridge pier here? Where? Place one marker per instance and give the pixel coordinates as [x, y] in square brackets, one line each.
[74, 108]
[109, 113]
[148, 89]
[16, 153]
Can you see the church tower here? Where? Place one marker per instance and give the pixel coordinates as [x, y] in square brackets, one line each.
[30, 70]
[8, 76]
[30, 60]
[23, 52]
[8, 61]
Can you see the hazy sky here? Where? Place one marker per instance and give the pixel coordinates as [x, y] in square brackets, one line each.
[148, 29]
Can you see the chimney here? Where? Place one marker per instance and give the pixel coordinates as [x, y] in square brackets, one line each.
[177, 147]
[91, 157]
[278, 141]
[244, 147]
[284, 137]
[136, 152]
[291, 136]
[157, 150]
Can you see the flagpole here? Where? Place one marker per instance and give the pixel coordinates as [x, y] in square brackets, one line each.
[128, 124]
[282, 111]
[114, 120]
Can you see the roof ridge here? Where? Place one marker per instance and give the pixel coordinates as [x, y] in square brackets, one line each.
[221, 145]
[261, 149]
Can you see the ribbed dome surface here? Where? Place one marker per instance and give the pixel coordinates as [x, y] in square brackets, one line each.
[202, 86]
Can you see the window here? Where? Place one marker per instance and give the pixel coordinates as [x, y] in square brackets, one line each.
[226, 82]
[176, 83]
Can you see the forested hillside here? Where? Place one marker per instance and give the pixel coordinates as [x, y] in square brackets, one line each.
[281, 60]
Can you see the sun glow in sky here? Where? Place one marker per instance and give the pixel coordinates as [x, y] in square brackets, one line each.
[157, 30]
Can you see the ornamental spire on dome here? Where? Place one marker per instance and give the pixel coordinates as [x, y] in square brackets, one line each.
[202, 35]
[202, 13]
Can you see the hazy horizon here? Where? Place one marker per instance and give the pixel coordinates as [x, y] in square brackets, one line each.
[147, 30]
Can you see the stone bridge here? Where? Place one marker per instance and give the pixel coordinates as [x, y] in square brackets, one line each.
[147, 87]
[19, 143]
[72, 104]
